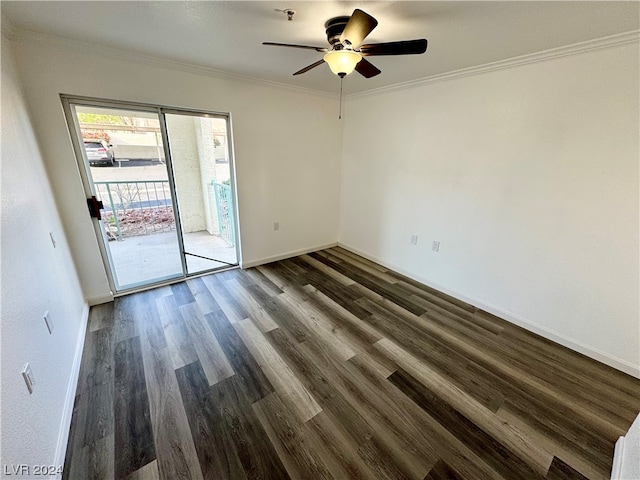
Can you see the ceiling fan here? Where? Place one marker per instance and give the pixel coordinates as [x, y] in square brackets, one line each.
[345, 35]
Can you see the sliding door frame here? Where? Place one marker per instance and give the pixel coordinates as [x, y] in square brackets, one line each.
[227, 117]
[70, 101]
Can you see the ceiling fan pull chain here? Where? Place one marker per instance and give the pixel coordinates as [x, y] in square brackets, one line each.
[340, 107]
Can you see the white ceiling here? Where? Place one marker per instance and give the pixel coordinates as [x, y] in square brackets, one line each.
[228, 35]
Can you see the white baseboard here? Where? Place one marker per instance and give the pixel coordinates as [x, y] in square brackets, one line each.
[618, 459]
[106, 298]
[576, 345]
[626, 456]
[65, 424]
[284, 256]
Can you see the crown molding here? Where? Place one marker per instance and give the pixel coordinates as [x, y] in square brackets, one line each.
[156, 61]
[9, 31]
[551, 54]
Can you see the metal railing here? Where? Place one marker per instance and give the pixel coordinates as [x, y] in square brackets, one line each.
[136, 208]
[224, 210]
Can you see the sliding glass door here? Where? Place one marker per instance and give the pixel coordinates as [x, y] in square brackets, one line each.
[159, 186]
[201, 167]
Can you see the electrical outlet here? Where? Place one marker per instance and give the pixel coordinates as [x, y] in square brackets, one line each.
[276, 226]
[435, 246]
[414, 239]
[48, 322]
[29, 379]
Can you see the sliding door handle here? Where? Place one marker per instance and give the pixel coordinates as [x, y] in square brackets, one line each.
[95, 206]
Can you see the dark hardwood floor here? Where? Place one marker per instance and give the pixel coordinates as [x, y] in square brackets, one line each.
[330, 366]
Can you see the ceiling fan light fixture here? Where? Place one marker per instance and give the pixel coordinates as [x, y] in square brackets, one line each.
[342, 62]
[345, 35]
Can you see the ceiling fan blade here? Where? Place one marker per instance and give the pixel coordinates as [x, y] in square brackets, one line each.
[406, 47]
[307, 47]
[367, 69]
[358, 27]
[309, 67]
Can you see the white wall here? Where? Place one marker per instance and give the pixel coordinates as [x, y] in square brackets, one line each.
[528, 177]
[287, 145]
[36, 277]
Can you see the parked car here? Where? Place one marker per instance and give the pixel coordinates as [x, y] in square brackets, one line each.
[99, 152]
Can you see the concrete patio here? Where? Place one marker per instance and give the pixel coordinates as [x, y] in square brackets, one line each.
[149, 258]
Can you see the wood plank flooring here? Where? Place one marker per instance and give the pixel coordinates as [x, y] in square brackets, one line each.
[328, 366]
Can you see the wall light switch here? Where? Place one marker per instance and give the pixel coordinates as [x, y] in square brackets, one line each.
[48, 321]
[435, 246]
[414, 239]
[29, 379]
